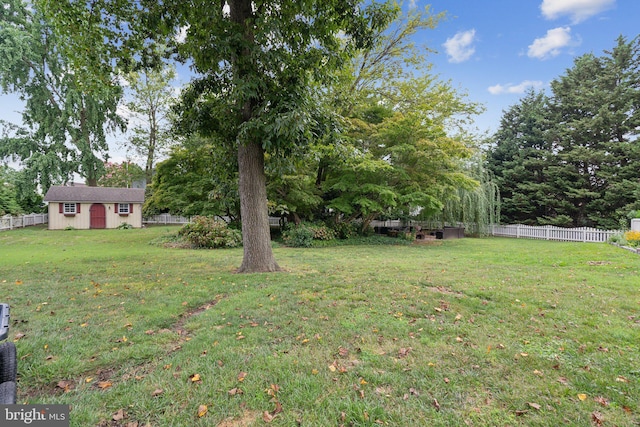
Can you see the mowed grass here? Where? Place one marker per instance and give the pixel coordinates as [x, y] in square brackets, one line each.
[479, 332]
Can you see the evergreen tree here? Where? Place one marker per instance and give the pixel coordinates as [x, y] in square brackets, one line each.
[519, 159]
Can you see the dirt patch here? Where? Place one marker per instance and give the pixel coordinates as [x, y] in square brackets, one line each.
[247, 419]
[598, 262]
[443, 290]
[179, 326]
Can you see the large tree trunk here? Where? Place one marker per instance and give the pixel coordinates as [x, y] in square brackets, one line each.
[252, 184]
[256, 236]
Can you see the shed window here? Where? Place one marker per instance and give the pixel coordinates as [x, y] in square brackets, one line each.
[124, 208]
[69, 209]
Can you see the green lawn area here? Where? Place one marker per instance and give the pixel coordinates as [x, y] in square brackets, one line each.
[479, 332]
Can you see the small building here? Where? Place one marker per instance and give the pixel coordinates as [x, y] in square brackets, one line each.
[83, 207]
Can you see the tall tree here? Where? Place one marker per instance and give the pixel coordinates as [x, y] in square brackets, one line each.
[520, 158]
[256, 60]
[400, 122]
[573, 158]
[150, 99]
[596, 109]
[65, 116]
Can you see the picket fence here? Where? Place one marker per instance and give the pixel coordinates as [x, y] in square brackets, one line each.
[9, 222]
[167, 219]
[583, 234]
[548, 232]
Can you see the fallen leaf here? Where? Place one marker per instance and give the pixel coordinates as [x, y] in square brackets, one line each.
[436, 404]
[195, 378]
[446, 380]
[622, 379]
[242, 376]
[332, 368]
[65, 385]
[534, 405]
[343, 352]
[235, 391]
[601, 400]
[157, 392]
[563, 380]
[538, 373]
[118, 416]
[104, 384]
[582, 396]
[404, 352]
[597, 418]
[18, 336]
[267, 417]
[202, 411]
[315, 372]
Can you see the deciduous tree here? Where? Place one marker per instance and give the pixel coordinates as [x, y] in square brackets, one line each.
[65, 116]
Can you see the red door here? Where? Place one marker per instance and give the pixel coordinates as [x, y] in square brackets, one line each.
[98, 216]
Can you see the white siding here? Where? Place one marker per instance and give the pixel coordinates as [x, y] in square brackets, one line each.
[82, 220]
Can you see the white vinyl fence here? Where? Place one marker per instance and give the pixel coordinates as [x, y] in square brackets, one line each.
[548, 232]
[584, 234]
[9, 222]
[166, 219]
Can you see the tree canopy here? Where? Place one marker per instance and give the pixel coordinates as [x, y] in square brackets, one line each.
[65, 116]
[573, 158]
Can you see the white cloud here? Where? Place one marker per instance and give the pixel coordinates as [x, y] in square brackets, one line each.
[460, 47]
[551, 44]
[518, 89]
[577, 10]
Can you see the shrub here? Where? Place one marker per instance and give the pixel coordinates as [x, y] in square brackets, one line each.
[632, 238]
[125, 226]
[299, 236]
[322, 232]
[207, 232]
[345, 230]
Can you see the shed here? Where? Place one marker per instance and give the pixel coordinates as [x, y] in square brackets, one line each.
[85, 207]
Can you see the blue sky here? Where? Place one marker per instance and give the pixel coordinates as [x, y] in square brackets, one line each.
[496, 49]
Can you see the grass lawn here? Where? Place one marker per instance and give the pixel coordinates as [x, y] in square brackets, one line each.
[478, 332]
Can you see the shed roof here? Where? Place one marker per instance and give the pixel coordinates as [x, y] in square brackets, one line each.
[94, 194]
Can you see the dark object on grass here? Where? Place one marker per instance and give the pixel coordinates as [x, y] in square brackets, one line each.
[8, 361]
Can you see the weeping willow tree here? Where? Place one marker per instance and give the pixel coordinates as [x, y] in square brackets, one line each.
[476, 208]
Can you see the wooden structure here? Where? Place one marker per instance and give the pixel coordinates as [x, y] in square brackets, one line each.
[83, 207]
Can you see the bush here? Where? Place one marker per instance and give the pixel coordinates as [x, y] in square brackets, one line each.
[322, 232]
[632, 238]
[125, 226]
[345, 230]
[299, 236]
[207, 232]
